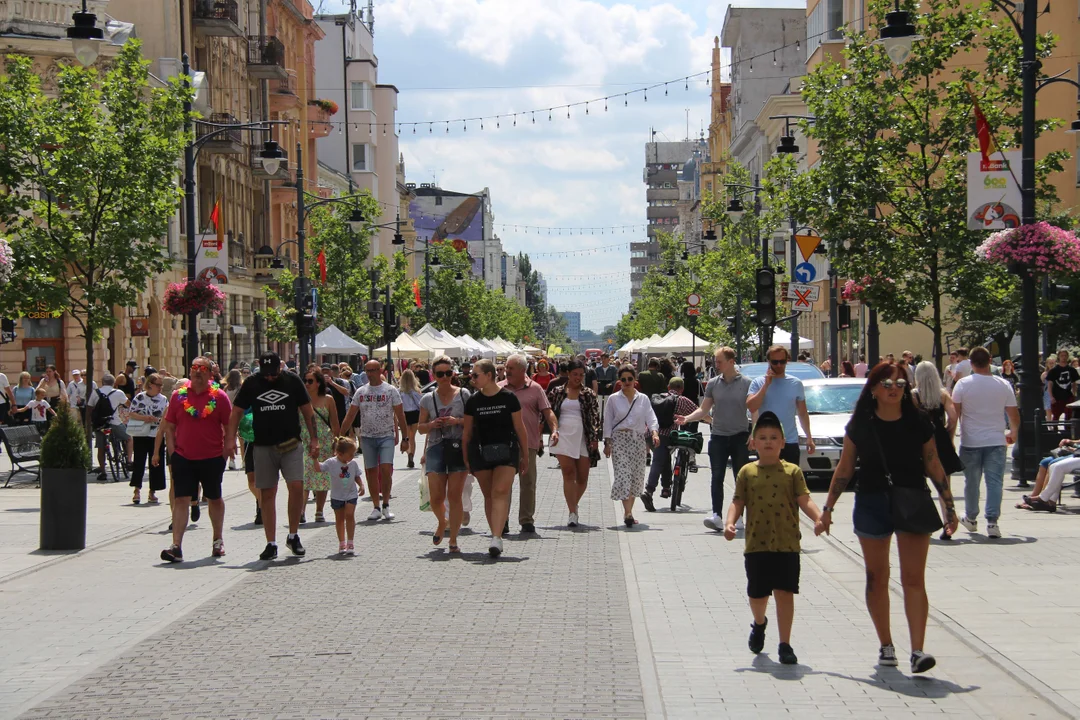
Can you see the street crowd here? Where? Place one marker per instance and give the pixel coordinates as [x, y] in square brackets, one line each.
[334, 433]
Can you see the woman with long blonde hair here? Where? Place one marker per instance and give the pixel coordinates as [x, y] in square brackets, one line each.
[410, 404]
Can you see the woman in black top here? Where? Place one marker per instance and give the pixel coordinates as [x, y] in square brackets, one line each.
[894, 444]
[496, 446]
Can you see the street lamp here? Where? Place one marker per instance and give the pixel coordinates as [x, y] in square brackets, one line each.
[271, 157]
[85, 36]
[898, 35]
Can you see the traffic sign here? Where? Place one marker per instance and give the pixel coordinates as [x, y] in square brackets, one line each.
[807, 245]
[803, 296]
[693, 299]
[805, 272]
[693, 311]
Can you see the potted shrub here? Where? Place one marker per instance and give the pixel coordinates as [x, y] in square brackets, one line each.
[65, 460]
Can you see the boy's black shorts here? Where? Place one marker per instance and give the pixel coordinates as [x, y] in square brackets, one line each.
[768, 571]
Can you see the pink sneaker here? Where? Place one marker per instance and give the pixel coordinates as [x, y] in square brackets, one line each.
[349, 549]
[342, 546]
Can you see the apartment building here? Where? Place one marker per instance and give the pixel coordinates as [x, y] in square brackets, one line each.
[664, 162]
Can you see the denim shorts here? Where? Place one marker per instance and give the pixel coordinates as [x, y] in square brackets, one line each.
[377, 451]
[338, 504]
[872, 516]
[436, 458]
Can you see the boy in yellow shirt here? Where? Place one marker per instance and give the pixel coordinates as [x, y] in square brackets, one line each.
[772, 491]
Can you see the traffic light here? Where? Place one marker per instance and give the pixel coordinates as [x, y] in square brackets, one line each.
[843, 316]
[1061, 296]
[732, 325]
[765, 292]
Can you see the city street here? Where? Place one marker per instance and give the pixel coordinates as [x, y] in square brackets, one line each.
[593, 622]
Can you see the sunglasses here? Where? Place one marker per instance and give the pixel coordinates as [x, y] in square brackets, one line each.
[310, 381]
[888, 384]
[444, 373]
[626, 378]
[778, 362]
[474, 375]
[200, 368]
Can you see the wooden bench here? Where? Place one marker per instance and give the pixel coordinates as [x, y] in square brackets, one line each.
[23, 445]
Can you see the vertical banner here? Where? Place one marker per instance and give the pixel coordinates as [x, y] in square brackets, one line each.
[211, 259]
[993, 194]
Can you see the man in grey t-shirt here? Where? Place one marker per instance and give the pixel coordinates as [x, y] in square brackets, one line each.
[725, 396]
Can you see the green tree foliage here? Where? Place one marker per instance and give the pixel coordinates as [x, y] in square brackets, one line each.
[98, 162]
[64, 446]
[894, 140]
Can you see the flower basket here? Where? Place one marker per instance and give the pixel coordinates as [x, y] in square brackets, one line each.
[1037, 248]
[328, 105]
[859, 290]
[198, 296]
[7, 261]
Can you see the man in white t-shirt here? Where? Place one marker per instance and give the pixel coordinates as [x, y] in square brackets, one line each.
[7, 399]
[116, 398]
[982, 401]
[963, 366]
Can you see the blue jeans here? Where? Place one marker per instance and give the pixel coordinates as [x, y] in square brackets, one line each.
[722, 447]
[980, 462]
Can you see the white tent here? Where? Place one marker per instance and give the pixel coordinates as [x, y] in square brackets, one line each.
[332, 341]
[477, 347]
[643, 345]
[530, 349]
[628, 347]
[442, 343]
[783, 337]
[680, 340]
[502, 346]
[406, 347]
[493, 347]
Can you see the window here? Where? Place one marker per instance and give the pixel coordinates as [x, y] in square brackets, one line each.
[362, 161]
[361, 96]
[825, 24]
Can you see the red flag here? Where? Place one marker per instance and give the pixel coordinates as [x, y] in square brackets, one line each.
[982, 130]
[416, 292]
[321, 259]
[215, 217]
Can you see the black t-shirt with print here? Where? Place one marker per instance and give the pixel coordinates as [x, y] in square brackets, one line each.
[1061, 380]
[275, 406]
[493, 420]
[902, 443]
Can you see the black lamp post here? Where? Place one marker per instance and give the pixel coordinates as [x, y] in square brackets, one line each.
[736, 211]
[86, 37]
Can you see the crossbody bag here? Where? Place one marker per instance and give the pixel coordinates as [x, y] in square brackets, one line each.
[452, 452]
[913, 510]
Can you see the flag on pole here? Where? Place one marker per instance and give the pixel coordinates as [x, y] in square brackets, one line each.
[416, 292]
[982, 130]
[215, 217]
[321, 259]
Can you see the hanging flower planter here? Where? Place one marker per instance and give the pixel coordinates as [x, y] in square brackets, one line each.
[1038, 248]
[198, 296]
[858, 290]
[7, 261]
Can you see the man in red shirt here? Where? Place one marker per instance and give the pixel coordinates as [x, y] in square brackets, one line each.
[194, 431]
[534, 406]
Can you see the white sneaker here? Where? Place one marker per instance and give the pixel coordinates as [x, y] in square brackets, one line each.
[342, 547]
[350, 549]
[993, 531]
[887, 656]
[495, 549]
[376, 514]
[713, 522]
[386, 514]
[572, 521]
[970, 525]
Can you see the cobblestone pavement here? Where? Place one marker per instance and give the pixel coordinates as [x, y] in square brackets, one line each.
[599, 622]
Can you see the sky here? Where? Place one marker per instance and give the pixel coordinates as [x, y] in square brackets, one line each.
[468, 58]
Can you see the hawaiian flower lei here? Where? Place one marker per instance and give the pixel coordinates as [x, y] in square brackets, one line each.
[208, 409]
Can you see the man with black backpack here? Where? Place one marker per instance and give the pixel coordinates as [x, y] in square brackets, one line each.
[104, 403]
[665, 406]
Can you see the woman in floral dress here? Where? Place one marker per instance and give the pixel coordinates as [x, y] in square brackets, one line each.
[327, 428]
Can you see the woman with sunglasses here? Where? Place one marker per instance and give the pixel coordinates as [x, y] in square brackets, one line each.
[147, 410]
[442, 417]
[577, 443]
[893, 443]
[326, 428]
[496, 446]
[628, 420]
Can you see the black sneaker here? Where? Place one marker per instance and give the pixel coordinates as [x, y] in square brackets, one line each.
[258, 515]
[528, 528]
[270, 553]
[757, 636]
[295, 546]
[173, 554]
[303, 519]
[196, 513]
[102, 477]
[787, 655]
[921, 662]
[506, 528]
[665, 492]
[646, 500]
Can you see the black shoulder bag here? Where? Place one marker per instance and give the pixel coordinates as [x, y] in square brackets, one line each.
[452, 454]
[913, 509]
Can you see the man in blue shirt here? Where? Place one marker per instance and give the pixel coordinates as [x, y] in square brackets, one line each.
[780, 393]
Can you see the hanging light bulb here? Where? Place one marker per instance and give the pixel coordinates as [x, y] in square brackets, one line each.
[497, 124]
[751, 66]
[384, 128]
[625, 102]
[797, 45]
[605, 104]
[774, 58]
[646, 94]
[464, 126]
[429, 128]
[686, 83]
[534, 117]
[549, 114]
[447, 128]
[515, 119]
[567, 112]
[665, 89]
[586, 108]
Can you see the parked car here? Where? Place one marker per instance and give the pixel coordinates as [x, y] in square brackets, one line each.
[801, 370]
[830, 402]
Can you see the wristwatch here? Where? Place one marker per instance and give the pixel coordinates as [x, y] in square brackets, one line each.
[826, 509]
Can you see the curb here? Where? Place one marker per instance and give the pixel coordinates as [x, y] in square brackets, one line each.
[971, 640]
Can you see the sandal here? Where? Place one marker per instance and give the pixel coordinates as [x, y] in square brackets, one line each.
[135, 498]
[436, 538]
[455, 549]
[152, 500]
[319, 517]
[630, 521]
[1023, 506]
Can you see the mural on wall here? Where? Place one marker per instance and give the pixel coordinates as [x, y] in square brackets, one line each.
[458, 219]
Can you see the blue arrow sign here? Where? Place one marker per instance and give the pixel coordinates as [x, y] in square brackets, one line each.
[805, 272]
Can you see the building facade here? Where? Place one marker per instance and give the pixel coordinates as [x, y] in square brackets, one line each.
[573, 324]
[663, 163]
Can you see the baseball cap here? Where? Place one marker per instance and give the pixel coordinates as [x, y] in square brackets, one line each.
[768, 419]
[76, 372]
[270, 363]
[149, 370]
[132, 363]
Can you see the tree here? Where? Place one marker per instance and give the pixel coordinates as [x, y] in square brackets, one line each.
[889, 191]
[98, 165]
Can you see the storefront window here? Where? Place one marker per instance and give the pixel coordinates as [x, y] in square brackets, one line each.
[39, 328]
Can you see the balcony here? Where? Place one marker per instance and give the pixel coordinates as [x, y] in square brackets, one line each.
[258, 172]
[217, 18]
[226, 141]
[318, 121]
[266, 59]
[284, 94]
[285, 192]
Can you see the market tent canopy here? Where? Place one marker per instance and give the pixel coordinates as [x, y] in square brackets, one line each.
[643, 345]
[333, 341]
[679, 340]
[530, 349]
[442, 343]
[783, 337]
[502, 345]
[406, 347]
[477, 347]
[628, 347]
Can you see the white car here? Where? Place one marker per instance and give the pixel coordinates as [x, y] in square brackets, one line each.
[830, 403]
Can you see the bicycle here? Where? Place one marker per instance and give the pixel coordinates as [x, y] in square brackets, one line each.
[684, 447]
[115, 454]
